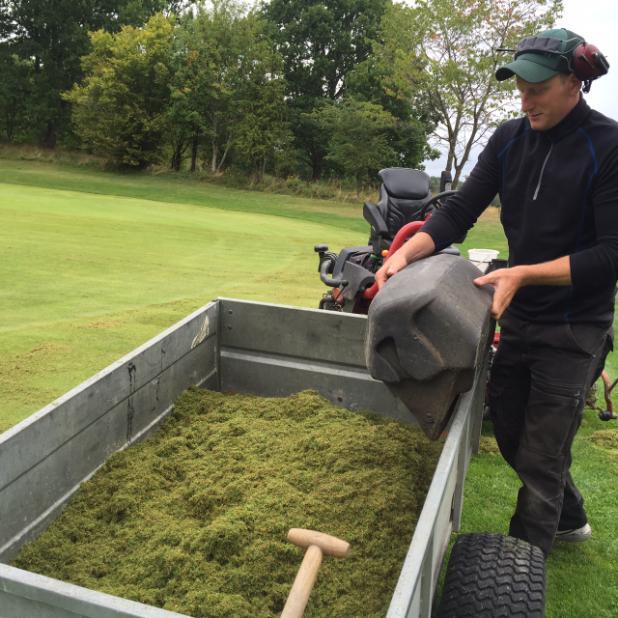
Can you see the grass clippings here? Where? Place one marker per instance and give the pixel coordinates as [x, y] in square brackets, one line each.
[606, 439]
[488, 444]
[195, 518]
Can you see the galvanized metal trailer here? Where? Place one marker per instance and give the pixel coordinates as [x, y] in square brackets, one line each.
[228, 345]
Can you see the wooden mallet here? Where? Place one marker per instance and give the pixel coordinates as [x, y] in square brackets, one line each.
[317, 544]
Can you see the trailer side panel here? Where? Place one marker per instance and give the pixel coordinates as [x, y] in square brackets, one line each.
[272, 350]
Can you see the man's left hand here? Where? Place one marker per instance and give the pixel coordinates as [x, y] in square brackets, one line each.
[506, 282]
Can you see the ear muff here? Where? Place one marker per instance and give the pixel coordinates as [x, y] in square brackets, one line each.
[588, 62]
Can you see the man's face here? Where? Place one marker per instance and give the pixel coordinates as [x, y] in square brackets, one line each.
[547, 103]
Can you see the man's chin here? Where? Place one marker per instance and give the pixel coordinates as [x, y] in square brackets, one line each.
[536, 122]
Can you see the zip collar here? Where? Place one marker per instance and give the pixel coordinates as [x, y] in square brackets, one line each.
[574, 119]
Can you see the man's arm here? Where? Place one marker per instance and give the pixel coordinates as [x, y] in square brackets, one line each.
[507, 281]
[597, 266]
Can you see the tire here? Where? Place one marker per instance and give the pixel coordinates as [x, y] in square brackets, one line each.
[491, 576]
[328, 304]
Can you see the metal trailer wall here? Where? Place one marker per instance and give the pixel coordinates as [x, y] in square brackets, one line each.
[231, 346]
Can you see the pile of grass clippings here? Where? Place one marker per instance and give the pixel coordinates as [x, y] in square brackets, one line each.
[195, 518]
[488, 444]
[606, 439]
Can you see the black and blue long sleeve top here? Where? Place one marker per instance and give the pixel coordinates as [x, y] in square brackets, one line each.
[559, 197]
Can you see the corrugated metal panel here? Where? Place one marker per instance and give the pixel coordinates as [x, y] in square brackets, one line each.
[274, 350]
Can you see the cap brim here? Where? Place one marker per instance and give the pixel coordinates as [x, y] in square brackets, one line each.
[527, 70]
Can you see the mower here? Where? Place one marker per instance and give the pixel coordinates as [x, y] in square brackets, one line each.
[405, 203]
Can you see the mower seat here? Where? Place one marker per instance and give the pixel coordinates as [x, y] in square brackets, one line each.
[403, 195]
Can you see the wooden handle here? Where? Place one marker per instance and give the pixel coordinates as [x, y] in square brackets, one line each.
[330, 545]
[303, 584]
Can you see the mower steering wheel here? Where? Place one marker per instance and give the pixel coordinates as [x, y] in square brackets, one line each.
[409, 230]
[436, 201]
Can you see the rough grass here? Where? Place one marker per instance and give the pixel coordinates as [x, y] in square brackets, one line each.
[340, 190]
[195, 518]
[606, 440]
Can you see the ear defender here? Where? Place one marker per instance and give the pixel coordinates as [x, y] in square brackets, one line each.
[588, 63]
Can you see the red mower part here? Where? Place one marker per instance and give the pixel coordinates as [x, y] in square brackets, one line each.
[405, 233]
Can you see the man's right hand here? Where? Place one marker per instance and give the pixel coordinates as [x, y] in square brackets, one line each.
[393, 265]
[418, 246]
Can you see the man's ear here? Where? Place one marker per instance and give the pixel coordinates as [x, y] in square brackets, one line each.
[575, 85]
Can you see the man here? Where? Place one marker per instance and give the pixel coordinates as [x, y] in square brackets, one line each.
[556, 171]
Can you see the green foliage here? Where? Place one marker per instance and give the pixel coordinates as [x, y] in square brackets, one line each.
[228, 90]
[248, 90]
[51, 37]
[359, 143]
[261, 129]
[320, 44]
[120, 108]
[6, 19]
[16, 87]
[392, 76]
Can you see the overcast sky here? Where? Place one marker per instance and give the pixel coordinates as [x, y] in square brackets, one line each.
[597, 22]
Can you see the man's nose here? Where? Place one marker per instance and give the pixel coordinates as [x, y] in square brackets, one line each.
[525, 103]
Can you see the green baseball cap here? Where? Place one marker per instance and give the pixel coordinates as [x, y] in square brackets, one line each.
[540, 57]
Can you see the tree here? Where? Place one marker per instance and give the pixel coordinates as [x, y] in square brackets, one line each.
[320, 44]
[120, 107]
[228, 92]
[359, 144]
[260, 101]
[459, 46]
[15, 88]
[6, 19]
[52, 36]
[392, 76]
[206, 75]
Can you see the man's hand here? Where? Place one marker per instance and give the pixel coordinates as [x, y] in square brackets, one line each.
[506, 282]
[393, 265]
[418, 246]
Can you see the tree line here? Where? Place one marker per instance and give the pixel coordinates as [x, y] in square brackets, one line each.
[290, 87]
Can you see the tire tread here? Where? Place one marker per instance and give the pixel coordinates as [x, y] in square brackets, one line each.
[491, 575]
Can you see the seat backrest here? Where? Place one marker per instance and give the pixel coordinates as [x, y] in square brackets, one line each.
[403, 194]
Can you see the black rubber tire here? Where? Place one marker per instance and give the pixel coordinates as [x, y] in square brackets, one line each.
[491, 576]
[328, 304]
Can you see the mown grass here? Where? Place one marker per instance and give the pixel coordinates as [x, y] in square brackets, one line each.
[93, 264]
[179, 189]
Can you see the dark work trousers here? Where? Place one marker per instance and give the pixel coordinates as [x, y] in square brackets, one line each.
[538, 385]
